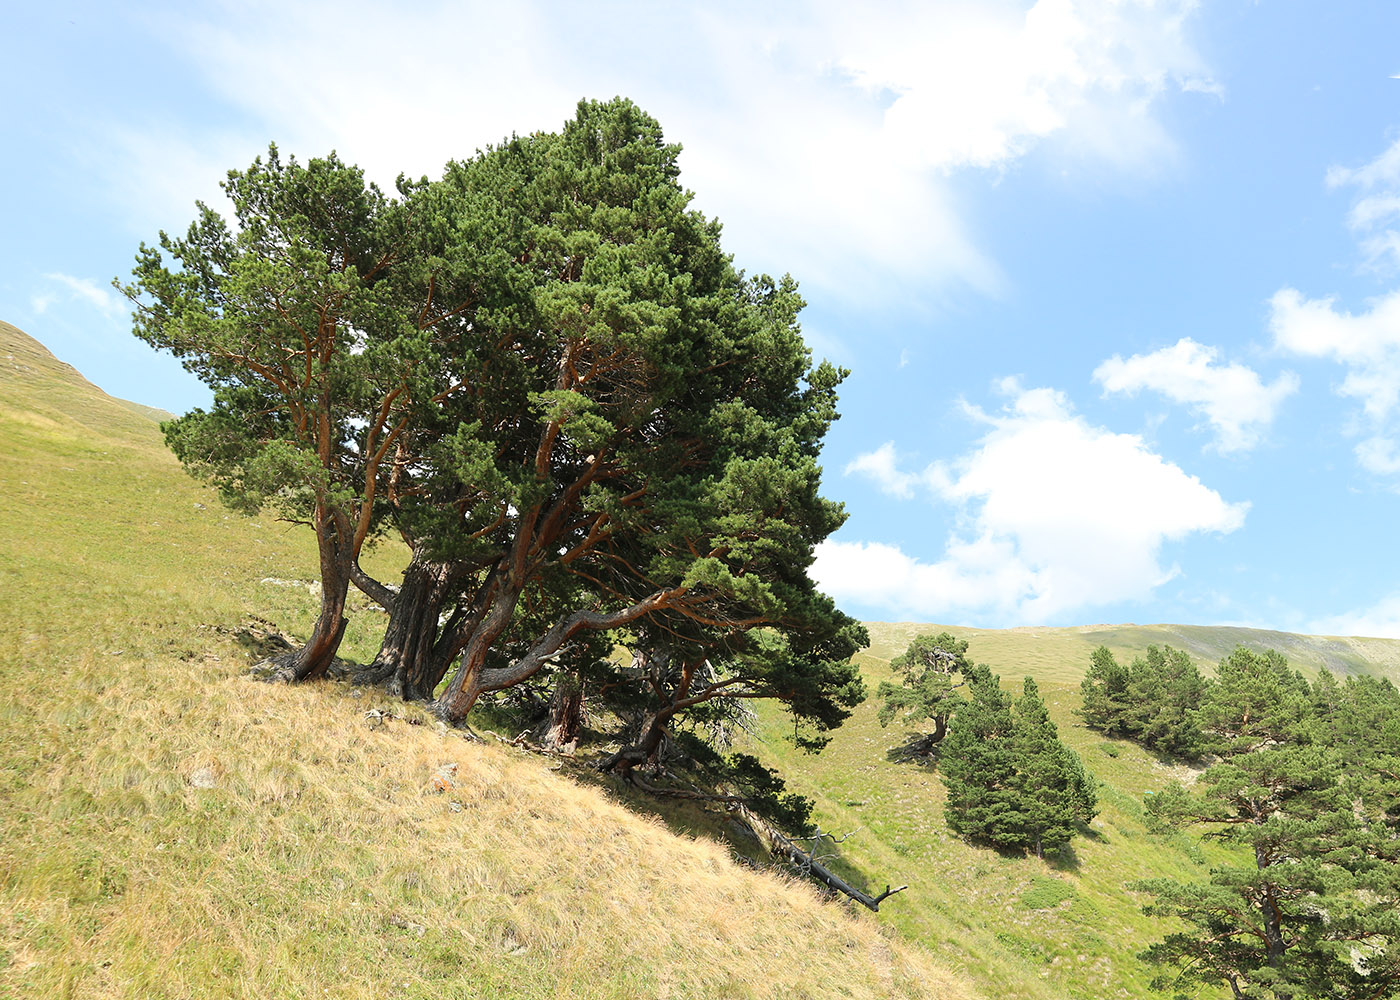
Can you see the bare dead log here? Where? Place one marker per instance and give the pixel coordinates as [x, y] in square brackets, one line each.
[776, 842]
[782, 846]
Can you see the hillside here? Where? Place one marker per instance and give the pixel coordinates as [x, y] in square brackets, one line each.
[1062, 654]
[171, 829]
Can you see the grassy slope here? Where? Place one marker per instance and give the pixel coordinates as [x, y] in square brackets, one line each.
[984, 913]
[316, 862]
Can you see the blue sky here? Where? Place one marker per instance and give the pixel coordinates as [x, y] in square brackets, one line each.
[1118, 282]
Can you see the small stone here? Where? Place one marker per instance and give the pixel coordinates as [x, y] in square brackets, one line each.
[203, 777]
[444, 778]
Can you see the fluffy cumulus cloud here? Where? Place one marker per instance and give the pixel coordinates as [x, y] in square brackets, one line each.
[1232, 398]
[1367, 345]
[819, 132]
[1055, 515]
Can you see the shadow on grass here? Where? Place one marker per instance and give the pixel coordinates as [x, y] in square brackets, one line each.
[1066, 859]
[709, 820]
[917, 749]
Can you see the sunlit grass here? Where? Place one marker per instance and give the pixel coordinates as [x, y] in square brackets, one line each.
[170, 828]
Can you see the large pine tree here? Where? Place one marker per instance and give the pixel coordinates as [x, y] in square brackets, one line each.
[1305, 789]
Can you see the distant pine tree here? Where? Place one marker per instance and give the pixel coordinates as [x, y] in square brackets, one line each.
[978, 764]
[1307, 789]
[1153, 700]
[927, 689]
[1010, 780]
[1056, 793]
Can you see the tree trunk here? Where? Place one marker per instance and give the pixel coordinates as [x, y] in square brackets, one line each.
[561, 728]
[405, 661]
[465, 687]
[647, 747]
[781, 846]
[314, 658]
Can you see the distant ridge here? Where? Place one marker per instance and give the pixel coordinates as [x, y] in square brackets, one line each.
[24, 359]
[1062, 654]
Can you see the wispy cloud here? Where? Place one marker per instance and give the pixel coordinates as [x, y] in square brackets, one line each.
[1380, 620]
[863, 111]
[1375, 212]
[81, 289]
[1232, 398]
[1054, 515]
[1367, 345]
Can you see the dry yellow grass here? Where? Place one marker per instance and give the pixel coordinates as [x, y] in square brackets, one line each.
[171, 829]
[186, 832]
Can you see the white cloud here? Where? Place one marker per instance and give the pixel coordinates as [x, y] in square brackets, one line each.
[84, 290]
[818, 132]
[1232, 398]
[1376, 210]
[1381, 620]
[1367, 344]
[1054, 515]
[881, 465]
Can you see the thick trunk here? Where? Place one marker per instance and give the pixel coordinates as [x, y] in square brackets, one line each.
[465, 687]
[314, 658]
[646, 749]
[1271, 912]
[406, 660]
[565, 720]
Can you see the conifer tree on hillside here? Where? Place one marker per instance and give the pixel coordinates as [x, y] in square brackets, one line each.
[1153, 700]
[547, 374]
[1010, 781]
[929, 668]
[1056, 793]
[978, 766]
[1305, 789]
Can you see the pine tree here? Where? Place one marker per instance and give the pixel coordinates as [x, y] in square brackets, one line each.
[1010, 780]
[1312, 907]
[1056, 792]
[978, 764]
[1153, 700]
[1105, 693]
[927, 691]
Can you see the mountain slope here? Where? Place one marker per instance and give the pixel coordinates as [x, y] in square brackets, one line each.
[1062, 654]
[169, 828]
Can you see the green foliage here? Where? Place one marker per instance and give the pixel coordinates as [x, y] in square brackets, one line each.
[1011, 782]
[1255, 702]
[1153, 700]
[1056, 792]
[761, 787]
[926, 691]
[1311, 908]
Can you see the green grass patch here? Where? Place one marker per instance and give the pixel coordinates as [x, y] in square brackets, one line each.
[1046, 893]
